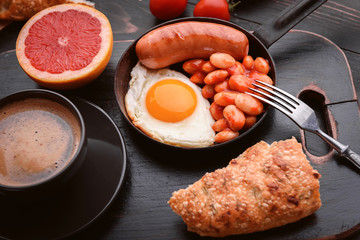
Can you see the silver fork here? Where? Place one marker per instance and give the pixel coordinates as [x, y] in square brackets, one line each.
[301, 114]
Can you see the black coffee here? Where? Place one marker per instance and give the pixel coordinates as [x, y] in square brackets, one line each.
[38, 137]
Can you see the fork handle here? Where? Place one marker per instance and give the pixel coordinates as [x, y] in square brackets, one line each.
[352, 156]
[344, 150]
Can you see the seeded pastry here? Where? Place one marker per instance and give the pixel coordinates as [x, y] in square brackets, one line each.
[24, 9]
[265, 187]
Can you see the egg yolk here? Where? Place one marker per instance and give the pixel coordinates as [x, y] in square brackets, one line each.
[170, 100]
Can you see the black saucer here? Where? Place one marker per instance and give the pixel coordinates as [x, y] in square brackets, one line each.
[90, 193]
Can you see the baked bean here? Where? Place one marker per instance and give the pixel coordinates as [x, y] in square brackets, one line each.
[222, 60]
[249, 121]
[234, 117]
[224, 85]
[198, 77]
[225, 135]
[237, 69]
[225, 98]
[240, 83]
[248, 62]
[248, 104]
[193, 66]
[261, 65]
[261, 77]
[207, 67]
[208, 91]
[216, 76]
[216, 111]
[220, 125]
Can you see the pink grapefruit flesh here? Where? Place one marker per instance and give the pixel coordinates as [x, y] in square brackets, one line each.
[65, 46]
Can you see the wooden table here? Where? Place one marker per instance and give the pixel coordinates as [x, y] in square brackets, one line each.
[321, 53]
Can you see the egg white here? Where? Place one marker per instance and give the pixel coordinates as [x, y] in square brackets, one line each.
[194, 131]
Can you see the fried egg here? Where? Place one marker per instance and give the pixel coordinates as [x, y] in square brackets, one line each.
[168, 107]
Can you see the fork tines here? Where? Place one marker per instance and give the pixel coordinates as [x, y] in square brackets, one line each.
[281, 100]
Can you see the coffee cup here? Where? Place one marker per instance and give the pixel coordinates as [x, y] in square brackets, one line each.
[42, 144]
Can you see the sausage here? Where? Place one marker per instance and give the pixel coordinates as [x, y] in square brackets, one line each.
[181, 41]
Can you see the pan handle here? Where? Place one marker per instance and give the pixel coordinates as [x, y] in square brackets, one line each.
[272, 31]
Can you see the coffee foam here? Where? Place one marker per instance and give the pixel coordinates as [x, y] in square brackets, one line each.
[38, 137]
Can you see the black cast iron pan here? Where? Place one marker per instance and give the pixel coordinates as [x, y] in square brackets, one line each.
[259, 42]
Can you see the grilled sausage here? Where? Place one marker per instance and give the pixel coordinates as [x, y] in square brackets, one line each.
[181, 41]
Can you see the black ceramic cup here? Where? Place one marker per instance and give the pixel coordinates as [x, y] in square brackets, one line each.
[42, 144]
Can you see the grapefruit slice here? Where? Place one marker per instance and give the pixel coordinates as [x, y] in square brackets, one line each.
[66, 46]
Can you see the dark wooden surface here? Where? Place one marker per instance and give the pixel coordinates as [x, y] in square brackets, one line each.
[322, 53]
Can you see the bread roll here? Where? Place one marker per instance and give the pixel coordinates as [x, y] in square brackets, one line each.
[265, 187]
[24, 9]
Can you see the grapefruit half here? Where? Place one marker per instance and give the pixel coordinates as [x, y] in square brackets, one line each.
[66, 46]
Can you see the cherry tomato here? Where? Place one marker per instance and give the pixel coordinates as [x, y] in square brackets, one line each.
[212, 8]
[167, 9]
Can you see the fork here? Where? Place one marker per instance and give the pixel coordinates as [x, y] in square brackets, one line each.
[301, 114]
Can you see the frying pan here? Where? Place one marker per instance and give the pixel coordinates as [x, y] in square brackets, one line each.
[259, 42]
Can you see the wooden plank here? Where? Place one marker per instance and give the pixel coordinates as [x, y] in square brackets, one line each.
[297, 67]
[154, 172]
[4, 23]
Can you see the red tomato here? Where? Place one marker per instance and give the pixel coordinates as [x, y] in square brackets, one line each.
[167, 9]
[212, 8]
